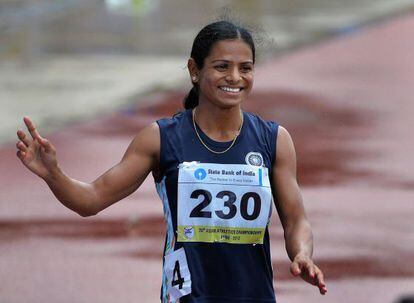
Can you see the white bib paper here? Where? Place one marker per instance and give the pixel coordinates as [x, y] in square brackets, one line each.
[228, 203]
[177, 273]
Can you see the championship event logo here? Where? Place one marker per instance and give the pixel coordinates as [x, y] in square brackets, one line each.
[189, 232]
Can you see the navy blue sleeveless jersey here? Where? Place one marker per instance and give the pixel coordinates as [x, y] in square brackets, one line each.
[220, 272]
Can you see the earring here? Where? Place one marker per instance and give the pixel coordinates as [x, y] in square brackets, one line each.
[194, 78]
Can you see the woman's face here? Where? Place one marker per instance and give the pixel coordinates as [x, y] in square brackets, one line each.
[226, 78]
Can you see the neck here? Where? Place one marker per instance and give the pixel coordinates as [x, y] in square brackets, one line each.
[217, 123]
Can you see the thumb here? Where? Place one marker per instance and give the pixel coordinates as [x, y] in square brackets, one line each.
[295, 268]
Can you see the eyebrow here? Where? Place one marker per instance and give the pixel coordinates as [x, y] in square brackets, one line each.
[223, 60]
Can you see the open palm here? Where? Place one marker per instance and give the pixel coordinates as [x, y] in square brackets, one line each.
[36, 153]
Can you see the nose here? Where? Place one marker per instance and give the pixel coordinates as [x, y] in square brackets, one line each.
[233, 76]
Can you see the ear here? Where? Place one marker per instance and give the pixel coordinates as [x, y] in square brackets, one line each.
[193, 70]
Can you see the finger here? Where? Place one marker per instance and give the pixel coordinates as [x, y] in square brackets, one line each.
[21, 146]
[32, 129]
[323, 290]
[295, 269]
[321, 281]
[21, 155]
[46, 145]
[320, 278]
[311, 271]
[22, 136]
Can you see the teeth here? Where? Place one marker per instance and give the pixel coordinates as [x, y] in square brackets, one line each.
[229, 89]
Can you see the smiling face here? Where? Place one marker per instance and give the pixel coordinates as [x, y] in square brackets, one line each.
[226, 78]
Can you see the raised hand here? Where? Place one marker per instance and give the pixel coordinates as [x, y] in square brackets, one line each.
[36, 153]
[309, 272]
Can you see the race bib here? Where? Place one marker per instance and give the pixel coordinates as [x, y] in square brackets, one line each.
[228, 203]
[177, 274]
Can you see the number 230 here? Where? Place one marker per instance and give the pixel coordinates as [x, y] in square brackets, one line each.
[199, 211]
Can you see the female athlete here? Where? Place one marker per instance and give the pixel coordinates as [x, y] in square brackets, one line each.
[218, 173]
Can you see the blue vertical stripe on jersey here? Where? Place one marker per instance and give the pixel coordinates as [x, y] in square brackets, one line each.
[169, 245]
[260, 177]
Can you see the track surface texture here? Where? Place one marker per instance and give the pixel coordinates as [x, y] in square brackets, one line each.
[347, 103]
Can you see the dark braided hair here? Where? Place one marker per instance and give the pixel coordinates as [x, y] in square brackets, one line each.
[203, 43]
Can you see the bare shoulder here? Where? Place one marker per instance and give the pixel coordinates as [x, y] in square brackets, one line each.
[285, 148]
[146, 141]
[283, 134]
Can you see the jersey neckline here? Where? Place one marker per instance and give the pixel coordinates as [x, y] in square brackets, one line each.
[210, 142]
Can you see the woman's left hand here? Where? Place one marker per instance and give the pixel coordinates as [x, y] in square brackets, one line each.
[304, 266]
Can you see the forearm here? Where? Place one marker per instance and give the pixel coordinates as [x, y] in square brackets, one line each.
[299, 239]
[75, 195]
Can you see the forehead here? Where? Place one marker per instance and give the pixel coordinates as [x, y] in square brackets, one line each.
[231, 50]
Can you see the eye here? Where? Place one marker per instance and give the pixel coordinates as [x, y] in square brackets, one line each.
[246, 68]
[221, 67]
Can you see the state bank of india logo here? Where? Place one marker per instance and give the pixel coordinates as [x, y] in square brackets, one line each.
[200, 174]
[189, 232]
[254, 158]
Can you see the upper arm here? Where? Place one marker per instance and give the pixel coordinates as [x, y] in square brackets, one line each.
[286, 189]
[140, 158]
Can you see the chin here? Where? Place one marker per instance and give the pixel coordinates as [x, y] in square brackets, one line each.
[225, 104]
